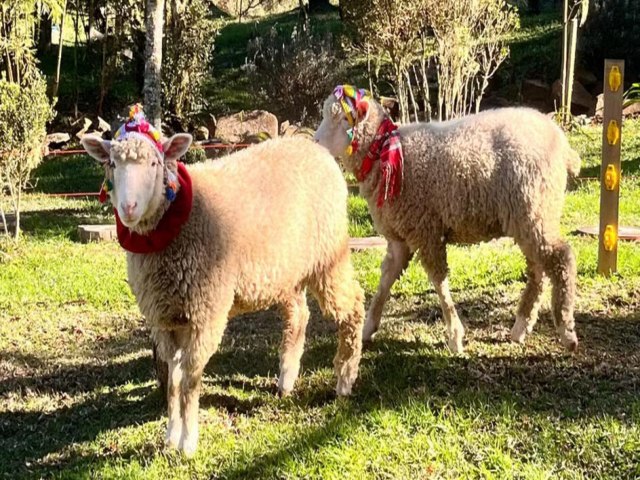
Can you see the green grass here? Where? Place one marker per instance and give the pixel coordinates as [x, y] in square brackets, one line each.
[78, 399]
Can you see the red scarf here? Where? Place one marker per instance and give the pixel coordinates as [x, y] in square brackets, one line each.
[169, 226]
[387, 147]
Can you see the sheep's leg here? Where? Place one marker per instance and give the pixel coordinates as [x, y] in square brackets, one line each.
[434, 260]
[340, 295]
[199, 345]
[295, 315]
[527, 314]
[560, 266]
[169, 352]
[397, 259]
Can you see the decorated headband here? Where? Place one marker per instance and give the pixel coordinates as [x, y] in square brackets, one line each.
[138, 126]
[352, 100]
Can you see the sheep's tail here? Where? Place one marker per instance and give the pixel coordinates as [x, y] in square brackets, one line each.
[573, 161]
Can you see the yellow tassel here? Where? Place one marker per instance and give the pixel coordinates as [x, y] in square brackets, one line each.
[349, 150]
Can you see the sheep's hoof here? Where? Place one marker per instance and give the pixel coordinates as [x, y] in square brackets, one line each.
[455, 345]
[369, 332]
[519, 331]
[189, 446]
[569, 339]
[172, 439]
[284, 393]
[343, 388]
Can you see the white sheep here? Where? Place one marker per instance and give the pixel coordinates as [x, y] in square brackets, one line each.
[498, 173]
[265, 224]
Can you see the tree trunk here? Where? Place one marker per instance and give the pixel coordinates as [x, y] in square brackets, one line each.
[76, 26]
[154, 22]
[56, 82]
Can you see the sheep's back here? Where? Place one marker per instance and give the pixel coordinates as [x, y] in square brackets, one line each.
[482, 176]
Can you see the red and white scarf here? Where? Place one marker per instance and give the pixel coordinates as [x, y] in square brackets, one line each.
[386, 146]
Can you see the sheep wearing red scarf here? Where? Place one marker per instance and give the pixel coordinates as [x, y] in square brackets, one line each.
[242, 233]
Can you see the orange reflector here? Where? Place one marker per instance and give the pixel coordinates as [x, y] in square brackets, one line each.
[615, 78]
[613, 133]
[610, 238]
[611, 178]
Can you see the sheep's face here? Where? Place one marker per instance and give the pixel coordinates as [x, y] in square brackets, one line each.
[332, 132]
[136, 172]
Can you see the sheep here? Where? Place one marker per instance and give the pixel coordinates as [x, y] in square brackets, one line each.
[497, 173]
[265, 224]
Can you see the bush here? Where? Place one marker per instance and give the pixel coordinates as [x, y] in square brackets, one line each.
[294, 74]
[188, 48]
[24, 113]
[195, 154]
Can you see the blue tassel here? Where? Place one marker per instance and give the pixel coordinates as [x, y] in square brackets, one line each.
[170, 194]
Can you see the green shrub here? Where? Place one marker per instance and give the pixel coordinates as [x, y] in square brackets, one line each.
[195, 154]
[24, 113]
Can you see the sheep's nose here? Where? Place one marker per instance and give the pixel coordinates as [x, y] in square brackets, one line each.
[128, 208]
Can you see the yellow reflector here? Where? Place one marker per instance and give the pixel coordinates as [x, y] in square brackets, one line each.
[615, 78]
[611, 178]
[610, 238]
[613, 132]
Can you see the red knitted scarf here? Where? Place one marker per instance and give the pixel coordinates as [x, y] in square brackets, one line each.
[386, 146]
[169, 226]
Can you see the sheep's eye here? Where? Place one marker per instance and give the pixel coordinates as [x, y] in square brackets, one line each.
[153, 164]
[112, 164]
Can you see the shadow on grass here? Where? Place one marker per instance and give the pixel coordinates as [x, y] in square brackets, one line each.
[603, 379]
[62, 222]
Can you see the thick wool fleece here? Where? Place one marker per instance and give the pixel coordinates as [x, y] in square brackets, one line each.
[266, 223]
[498, 173]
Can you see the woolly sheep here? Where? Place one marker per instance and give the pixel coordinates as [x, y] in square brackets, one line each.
[497, 173]
[266, 223]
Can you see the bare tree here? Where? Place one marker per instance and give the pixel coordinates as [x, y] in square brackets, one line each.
[154, 22]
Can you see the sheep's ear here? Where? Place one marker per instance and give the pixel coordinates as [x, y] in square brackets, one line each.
[176, 146]
[96, 147]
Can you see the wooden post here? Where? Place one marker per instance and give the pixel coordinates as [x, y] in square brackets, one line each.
[610, 170]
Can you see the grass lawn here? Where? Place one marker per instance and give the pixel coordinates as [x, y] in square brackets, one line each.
[78, 397]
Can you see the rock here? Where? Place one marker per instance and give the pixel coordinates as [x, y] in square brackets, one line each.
[201, 133]
[599, 105]
[494, 101]
[103, 126]
[236, 128]
[585, 77]
[537, 94]
[284, 126]
[83, 131]
[582, 102]
[391, 106]
[632, 110]
[97, 233]
[57, 140]
[212, 125]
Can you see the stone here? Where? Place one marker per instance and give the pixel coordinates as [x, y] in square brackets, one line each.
[599, 105]
[537, 94]
[632, 110]
[83, 131]
[391, 106]
[201, 133]
[236, 128]
[57, 140]
[103, 126]
[97, 233]
[585, 77]
[582, 102]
